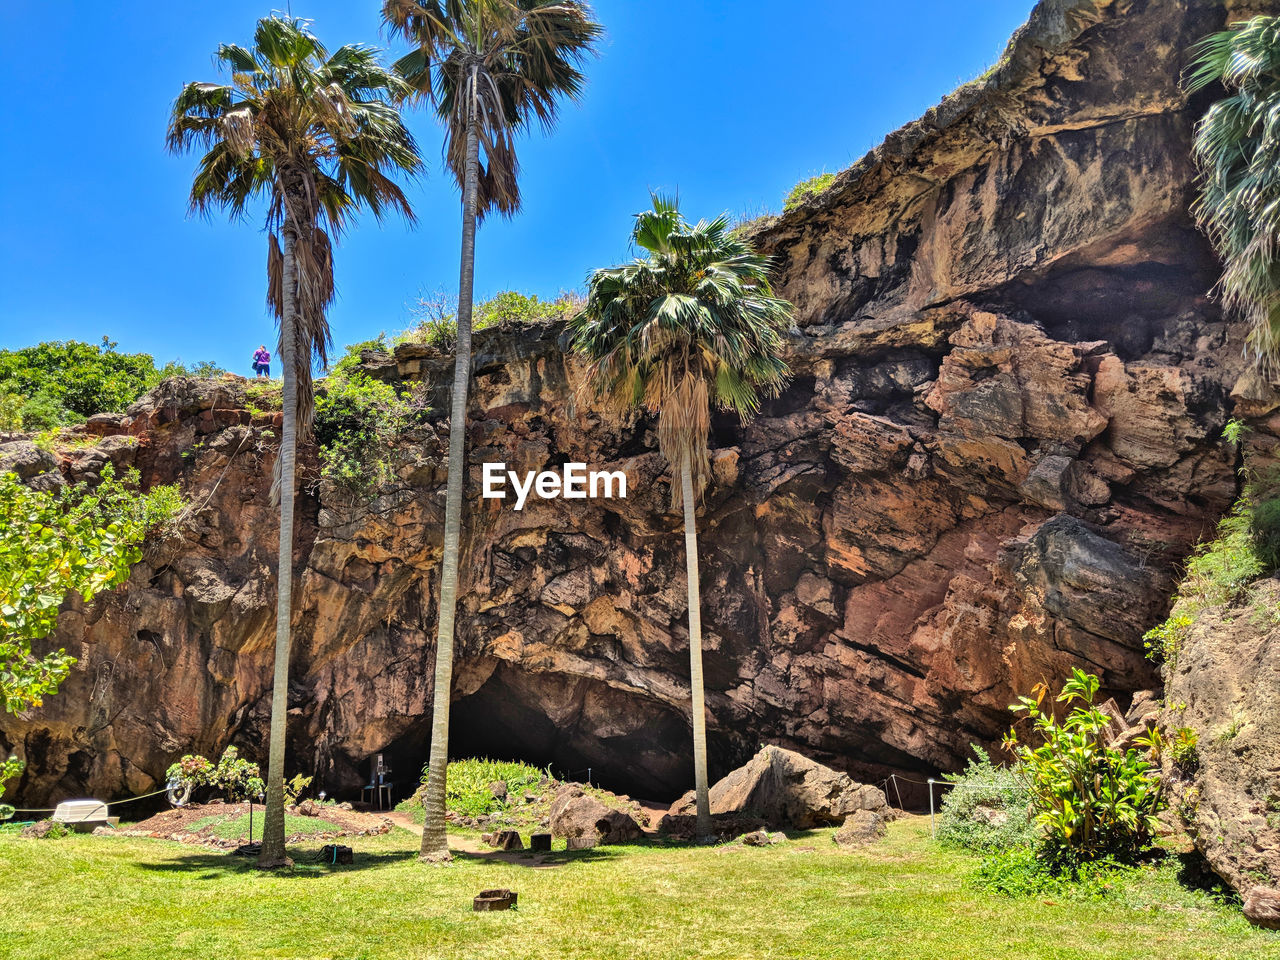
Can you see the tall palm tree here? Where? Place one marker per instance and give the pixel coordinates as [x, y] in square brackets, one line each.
[1237, 147]
[490, 68]
[691, 324]
[319, 138]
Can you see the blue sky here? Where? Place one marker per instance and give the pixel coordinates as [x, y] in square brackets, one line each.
[730, 102]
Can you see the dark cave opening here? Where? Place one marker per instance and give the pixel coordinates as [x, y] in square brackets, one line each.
[630, 744]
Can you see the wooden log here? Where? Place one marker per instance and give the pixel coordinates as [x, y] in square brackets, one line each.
[540, 842]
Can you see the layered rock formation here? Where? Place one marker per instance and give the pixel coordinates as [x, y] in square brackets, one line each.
[1002, 433]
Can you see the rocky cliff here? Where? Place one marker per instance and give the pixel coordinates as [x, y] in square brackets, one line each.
[1002, 434]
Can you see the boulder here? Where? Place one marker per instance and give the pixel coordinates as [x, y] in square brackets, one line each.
[577, 816]
[498, 790]
[1262, 906]
[1224, 686]
[860, 828]
[786, 789]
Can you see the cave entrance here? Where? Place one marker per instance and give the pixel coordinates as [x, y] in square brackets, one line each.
[631, 744]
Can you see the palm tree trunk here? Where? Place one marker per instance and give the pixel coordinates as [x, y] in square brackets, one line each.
[273, 852]
[435, 841]
[695, 652]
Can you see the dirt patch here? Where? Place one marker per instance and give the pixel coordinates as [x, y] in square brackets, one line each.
[212, 824]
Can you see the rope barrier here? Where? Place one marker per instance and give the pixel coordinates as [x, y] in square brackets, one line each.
[113, 803]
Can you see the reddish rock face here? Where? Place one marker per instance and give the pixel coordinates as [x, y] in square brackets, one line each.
[1002, 432]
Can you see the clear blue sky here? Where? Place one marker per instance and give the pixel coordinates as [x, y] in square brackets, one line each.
[730, 102]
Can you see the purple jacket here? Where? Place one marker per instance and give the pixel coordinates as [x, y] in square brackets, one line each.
[261, 356]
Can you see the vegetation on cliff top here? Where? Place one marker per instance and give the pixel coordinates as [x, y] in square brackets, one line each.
[56, 383]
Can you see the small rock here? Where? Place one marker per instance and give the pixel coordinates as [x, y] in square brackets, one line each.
[309, 808]
[761, 838]
[861, 827]
[1262, 906]
[498, 789]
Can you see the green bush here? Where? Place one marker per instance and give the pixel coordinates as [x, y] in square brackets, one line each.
[1092, 801]
[234, 777]
[60, 383]
[358, 421]
[805, 189]
[987, 808]
[467, 790]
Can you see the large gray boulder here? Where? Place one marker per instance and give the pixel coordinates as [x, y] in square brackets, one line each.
[787, 789]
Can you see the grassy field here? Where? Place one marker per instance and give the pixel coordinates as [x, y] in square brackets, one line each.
[107, 898]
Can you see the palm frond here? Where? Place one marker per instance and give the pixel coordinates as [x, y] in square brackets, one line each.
[690, 326]
[319, 138]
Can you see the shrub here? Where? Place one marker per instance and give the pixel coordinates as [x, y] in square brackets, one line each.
[467, 790]
[60, 383]
[234, 777]
[295, 788]
[1092, 801]
[357, 424]
[987, 808]
[805, 189]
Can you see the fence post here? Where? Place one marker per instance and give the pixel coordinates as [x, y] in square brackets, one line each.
[933, 830]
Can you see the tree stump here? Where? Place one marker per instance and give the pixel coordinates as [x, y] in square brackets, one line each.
[540, 842]
[494, 900]
[507, 840]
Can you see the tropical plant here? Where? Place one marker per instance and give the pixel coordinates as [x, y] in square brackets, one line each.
[319, 138]
[1093, 801]
[1237, 148]
[690, 325]
[238, 779]
[54, 543]
[490, 68]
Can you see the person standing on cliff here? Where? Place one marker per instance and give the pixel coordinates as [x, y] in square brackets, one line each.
[262, 362]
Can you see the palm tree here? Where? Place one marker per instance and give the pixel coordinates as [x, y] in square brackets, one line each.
[319, 138]
[1237, 147]
[691, 324]
[491, 68]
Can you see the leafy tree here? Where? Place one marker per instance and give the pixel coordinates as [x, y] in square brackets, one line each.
[54, 543]
[691, 324]
[491, 68]
[1093, 801]
[1237, 147]
[318, 136]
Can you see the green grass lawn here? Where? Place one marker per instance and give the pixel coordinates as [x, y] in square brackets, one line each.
[117, 897]
[236, 828]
